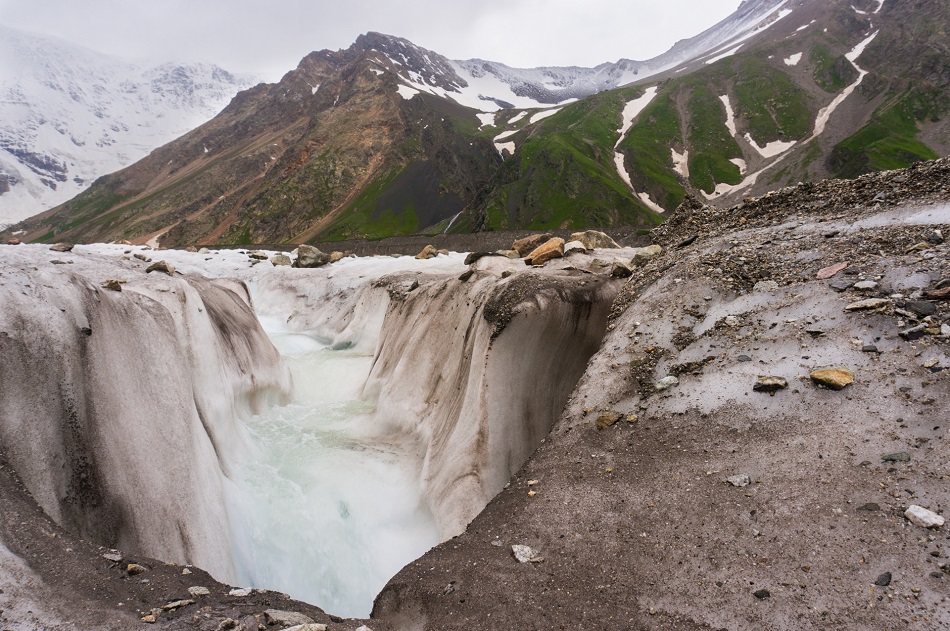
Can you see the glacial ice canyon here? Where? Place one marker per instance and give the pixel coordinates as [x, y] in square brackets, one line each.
[308, 431]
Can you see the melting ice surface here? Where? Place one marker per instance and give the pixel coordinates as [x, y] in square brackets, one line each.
[320, 507]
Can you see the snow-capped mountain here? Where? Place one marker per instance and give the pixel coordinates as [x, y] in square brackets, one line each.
[490, 86]
[69, 115]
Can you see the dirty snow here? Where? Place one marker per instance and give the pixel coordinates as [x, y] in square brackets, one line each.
[681, 162]
[730, 115]
[772, 149]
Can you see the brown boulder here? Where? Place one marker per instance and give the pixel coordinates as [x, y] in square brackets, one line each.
[428, 252]
[529, 244]
[551, 249]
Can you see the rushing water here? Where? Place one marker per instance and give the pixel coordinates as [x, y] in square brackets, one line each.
[322, 508]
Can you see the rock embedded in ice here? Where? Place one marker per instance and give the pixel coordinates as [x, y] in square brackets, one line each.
[258, 255]
[161, 266]
[335, 256]
[428, 252]
[280, 260]
[922, 517]
[112, 284]
[530, 243]
[594, 239]
[524, 554]
[551, 249]
[666, 383]
[309, 257]
[61, 247]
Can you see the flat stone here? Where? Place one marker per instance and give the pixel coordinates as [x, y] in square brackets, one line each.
[870, 303]
[335, 256]
[841, 284]
[740, 481]
[240, 592]
[471, 257]
[922, 517]
[198, 590]
[770, 384]
[61, 247]
[914, 332]
[869, 348]
[281, 260]
[115, 557]
[550, 249]
[870, 507]
[865, 285]
[762, 594]
[277, 616]
[831, 270]
[744, 358]
[666, 383]
[922, 308]
[901, 456]
[178, 604]
[834, 378]
[313, 626]
[258, 255]
[765, 285]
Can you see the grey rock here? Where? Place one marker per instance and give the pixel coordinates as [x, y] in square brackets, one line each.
[883, 580]
[865, 305]
[922, 308]
[61, 247]
[277, 616]
[914, 333]
[765, 285]
[591, 239]
[901, 456]
[666, 383]
[762, 594]
[865, 285]
[524, 554]
[115, 557]
[739, 481]
[281, 260]
[240, 592]
[621, 270]
[198, 590]
[309, 257]
[313, 626]
[841, 284]
[869, 348]
[258, 255]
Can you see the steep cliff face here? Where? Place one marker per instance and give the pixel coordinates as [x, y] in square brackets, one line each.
[119, 405]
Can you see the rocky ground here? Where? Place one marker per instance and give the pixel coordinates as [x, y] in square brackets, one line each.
[702, 476]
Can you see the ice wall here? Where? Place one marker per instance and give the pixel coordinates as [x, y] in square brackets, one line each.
[118, 405]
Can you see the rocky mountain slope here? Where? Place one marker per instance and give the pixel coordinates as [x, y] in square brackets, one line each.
[69, 115]
[382, 138]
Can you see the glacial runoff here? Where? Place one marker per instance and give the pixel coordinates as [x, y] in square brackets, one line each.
[305, 430]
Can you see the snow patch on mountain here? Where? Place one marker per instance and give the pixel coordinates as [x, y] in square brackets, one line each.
[793, 60]
[69, 115]
[629, 114]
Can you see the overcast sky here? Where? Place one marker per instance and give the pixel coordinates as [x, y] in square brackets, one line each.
[269, 37]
